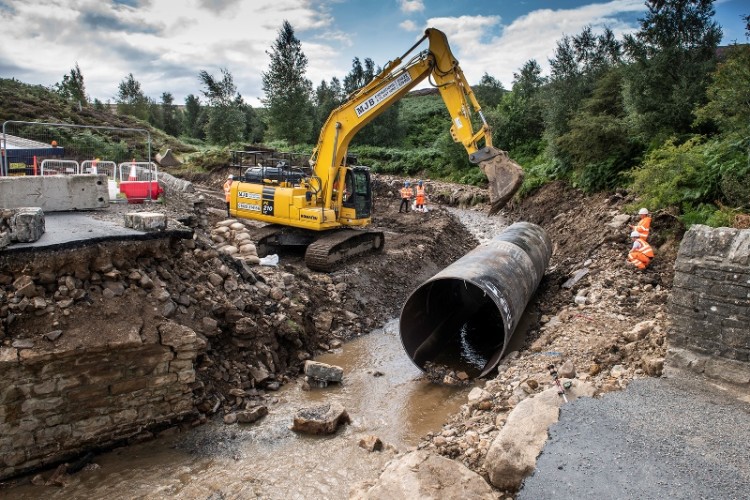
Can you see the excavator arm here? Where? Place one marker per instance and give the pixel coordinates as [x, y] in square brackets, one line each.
[390, 85]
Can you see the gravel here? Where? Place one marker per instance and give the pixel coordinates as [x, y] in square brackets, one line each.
[660, 438]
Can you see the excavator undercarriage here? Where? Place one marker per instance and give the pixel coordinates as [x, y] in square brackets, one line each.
[324, 252]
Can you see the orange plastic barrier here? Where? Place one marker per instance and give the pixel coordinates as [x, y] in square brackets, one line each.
[138, 191]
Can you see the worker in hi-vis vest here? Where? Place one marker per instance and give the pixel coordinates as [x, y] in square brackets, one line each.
[227, 191]
[406, 194]
[644, 225]
[641, 253]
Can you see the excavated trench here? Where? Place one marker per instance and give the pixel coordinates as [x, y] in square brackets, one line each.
[384, 392]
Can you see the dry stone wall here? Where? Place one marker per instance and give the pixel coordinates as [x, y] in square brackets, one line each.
[80, 370]
[710, 308]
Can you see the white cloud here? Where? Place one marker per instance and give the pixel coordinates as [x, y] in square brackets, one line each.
[411, 5]
[408, 25]
[162, 45]
[482, 45]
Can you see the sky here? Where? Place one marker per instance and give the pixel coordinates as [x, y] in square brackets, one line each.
[166, 43]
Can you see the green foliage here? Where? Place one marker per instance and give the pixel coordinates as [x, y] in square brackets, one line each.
[131, 100]
[209, 159]
[399, 161]
[671, 57]
[597, 146]
[676, 173]
[489, 91]
[170, 114]
[729, 93]
[423, 119]
[226, 116]
[707, 214]
[72, 87]
[287, 91]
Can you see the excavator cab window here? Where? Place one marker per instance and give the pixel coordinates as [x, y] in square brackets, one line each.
[361, 192]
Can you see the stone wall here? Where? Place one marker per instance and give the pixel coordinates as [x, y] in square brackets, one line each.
[710, 307]
[58, 403]
[85, 360]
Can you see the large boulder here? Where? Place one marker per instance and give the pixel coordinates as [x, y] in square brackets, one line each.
[512, 454]
[422, 475]
[321, 419]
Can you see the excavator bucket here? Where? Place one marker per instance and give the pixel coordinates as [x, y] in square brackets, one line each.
[504, 175]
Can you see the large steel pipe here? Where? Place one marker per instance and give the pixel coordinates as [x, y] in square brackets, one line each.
[466, 314]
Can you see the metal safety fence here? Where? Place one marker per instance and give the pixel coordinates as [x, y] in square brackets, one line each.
[25, 145]
[43, 149]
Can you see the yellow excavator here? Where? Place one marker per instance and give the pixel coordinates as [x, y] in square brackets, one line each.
[317, 208]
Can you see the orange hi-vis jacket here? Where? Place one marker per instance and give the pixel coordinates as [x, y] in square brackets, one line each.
[227, 189]
[420, 195]
[643, 227]
[406, 193]
[641, 254]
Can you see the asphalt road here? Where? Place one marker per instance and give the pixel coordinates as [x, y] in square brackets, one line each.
[658, 439]
[71, 229]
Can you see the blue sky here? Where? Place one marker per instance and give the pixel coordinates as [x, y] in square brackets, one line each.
[165, 43]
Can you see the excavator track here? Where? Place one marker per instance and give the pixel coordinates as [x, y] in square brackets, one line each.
[331, 249]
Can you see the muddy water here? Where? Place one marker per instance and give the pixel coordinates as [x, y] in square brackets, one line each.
[267, 460]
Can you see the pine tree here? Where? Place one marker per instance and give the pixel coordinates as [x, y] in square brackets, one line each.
[287, 91]
[672, 56]
[72, 87]
[226, 118]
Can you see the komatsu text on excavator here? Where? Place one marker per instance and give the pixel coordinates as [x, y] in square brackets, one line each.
[318, 208]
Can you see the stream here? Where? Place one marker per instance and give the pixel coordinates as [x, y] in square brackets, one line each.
[267, 459]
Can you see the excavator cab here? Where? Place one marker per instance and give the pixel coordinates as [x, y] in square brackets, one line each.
[357, 196]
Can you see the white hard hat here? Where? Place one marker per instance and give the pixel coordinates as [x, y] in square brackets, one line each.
[635, 234]
[231, 176]
[643, 211]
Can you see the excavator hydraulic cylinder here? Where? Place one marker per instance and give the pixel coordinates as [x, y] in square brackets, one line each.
[466, 314]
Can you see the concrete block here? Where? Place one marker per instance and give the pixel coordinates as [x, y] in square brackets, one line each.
[146, 221]
[27, 224]
[54, 193]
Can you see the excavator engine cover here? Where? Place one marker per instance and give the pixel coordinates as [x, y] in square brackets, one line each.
[504, 175]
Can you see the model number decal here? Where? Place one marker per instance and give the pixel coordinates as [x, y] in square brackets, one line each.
[248, 206]
[387, 91]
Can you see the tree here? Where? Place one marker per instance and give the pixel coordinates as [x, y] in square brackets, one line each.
[671, 57]
[193, 122]
[170, 115]
[131, 100]
[287, 91]
[327, 98]
[519, 122]
[72, 87]
[729, 93]
[597, 143]
[254, 126]
[385, 129]
[489, 91]
[226, 118]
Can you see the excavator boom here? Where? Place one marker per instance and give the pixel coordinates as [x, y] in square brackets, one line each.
[337, 196]
[440, 66]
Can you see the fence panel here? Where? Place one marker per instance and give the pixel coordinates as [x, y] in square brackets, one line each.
[59, 167]
[24, 144]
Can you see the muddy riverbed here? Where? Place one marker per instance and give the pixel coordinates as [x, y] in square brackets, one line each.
[384, 393]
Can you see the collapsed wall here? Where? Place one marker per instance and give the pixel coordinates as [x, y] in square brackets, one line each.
[79, 371]
[710, 307]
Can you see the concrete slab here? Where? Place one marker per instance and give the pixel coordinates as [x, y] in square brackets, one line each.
[72, 229]
[55, 193]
